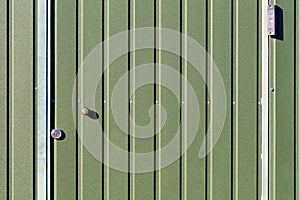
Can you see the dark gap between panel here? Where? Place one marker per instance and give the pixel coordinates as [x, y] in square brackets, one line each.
[102, 102]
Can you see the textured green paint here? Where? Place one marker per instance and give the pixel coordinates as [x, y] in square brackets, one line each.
[194, 23]
[232, 169]
[219, 47]
[229, 171]
[170, 178]
[259, 117]
[90, 35]
[245, 69]
[65, 70]
[143, 100]
[283, 108]
[118, 22]
[17, 90]
[3, 101]
[21, 131]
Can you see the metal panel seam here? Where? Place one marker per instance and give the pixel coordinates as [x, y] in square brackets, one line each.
[42, 101]
[265, 104]
[48, 93]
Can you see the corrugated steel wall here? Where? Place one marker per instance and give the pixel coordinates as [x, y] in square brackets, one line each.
[17, 105]
[229, 30]
[284, 111]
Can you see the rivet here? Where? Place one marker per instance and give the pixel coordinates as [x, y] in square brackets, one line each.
[56, 133]
[272, 89]
[85, 111]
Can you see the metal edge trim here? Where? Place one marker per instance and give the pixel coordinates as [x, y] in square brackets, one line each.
[48, 93]
[42, 100]
[265, 103]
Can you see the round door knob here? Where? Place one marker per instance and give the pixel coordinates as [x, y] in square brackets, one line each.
[56, 133]
[85, 111]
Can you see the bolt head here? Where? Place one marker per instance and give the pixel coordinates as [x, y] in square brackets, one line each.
[56, 133]
[85, 111]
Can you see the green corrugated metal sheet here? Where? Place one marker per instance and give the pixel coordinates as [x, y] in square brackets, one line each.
[17, 85]
[3, 87]
[284, 116]
[230, 32]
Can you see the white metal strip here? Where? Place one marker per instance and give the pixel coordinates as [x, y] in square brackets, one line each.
[265, 102]
[48, 94]
[42, 105]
